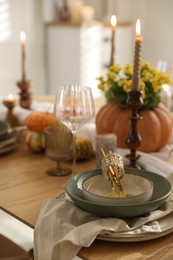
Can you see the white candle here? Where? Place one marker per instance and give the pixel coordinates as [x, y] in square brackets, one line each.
[23, 45]
[113, 26]
[137, 57]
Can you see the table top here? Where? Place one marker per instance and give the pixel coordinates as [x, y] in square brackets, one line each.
[25, 185]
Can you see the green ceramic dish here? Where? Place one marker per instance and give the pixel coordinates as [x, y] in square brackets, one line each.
[162, 190]
[4, 126]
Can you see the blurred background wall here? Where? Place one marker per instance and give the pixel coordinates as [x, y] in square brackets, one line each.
[32, 16]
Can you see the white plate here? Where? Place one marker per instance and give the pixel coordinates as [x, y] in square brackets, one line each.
[9, 143]
[4, 126]
[165, 223]
[8, 148]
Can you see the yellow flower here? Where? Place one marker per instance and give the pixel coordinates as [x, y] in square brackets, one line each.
[146, 75]
[146, 66]
[156, 86]
[118, 82]
[128, 70]
[111, 75]
[115, 68]
[127, 85]
[101, 87]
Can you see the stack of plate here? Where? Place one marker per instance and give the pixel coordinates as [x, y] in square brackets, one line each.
[161, 190]
[8, 141]
[4, 126]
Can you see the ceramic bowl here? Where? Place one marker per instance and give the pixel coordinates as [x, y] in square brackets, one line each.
[162, 190]
[96, 189]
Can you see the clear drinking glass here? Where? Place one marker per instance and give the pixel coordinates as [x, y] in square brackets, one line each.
[58, 147]
[74, 106]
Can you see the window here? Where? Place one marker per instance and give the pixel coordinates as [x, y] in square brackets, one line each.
[5, 26]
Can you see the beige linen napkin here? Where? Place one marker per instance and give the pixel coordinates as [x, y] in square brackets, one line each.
[62, 228]
[150, 163]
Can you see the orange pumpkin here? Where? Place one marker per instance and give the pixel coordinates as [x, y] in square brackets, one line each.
[155, 127]
[37, 121]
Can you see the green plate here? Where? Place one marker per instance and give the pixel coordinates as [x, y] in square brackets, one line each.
[162, 190]
[4, 126]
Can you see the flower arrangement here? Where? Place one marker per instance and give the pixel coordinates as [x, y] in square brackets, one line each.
[118, 83]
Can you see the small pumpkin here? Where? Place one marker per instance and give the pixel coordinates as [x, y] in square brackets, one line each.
[155, 127]
[37, 121]
[84, 149]
[34, 141]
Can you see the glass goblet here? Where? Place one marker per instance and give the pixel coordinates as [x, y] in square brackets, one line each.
[58, 147]
[74, 106]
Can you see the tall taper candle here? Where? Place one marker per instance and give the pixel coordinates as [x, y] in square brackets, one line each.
[113, 26]
[23, 45]
[137, 57]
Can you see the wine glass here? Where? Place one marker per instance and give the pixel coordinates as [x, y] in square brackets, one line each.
[58, 146]
[74, 106]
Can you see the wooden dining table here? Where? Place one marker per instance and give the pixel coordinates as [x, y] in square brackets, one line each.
[24, 185]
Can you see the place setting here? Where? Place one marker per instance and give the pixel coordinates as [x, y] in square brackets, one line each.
[134, 197]
[133, 211]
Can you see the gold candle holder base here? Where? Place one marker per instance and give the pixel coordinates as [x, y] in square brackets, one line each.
[25, 96]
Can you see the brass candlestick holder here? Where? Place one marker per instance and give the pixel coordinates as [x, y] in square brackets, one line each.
[25, 95]
[11, 118]
[133, 140]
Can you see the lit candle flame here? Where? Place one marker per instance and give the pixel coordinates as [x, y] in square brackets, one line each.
[113, 21]
[23, 37]
[138, 28]
[10, 97]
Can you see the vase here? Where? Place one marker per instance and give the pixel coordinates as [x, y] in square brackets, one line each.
[155, 125]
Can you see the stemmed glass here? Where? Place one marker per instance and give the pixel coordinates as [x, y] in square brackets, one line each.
[58, 146]
[74, 106]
